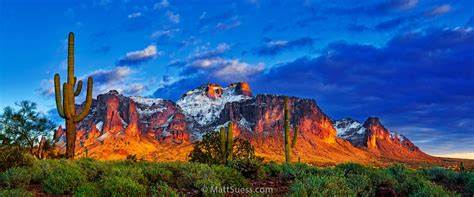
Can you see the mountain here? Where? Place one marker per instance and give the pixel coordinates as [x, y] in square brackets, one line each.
[375, 138]
[163, 130]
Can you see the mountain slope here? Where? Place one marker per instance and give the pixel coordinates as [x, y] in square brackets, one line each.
[162, 130]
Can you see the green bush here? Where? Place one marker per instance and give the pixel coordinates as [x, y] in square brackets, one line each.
[87, 190]
[250, 168]
[230, 177]
[131, 171]
[15, 193]
[273, 169]
[470, 185]
[156, 174]
[42, 168]
[16, 177]
[162, 189]
[121, 186]
[93, 169]
[14, 157]
[209, 151]
[64, 179]
[321, 186]
[189, 174]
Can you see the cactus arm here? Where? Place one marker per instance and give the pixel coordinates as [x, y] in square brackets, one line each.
[79, 88]
[57, 92]
[70, 58]
[223, 144]
[88, 104]
[287, 133]
[67, 109]
[230, 140]
[295, 136]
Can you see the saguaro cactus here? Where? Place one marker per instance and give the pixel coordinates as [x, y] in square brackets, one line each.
[288, 146]
[227, 142]
[65, 105]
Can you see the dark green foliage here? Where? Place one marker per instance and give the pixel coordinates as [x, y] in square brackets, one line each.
[321, 186]
[461, 167]
[93, 169]
[156, 175]
[121, 186]
[470, 185]
[15, 193]
[273, 169]
[132, 158]
[17, 177]
[163, 189]
[14, 157]
[64, 178]
[23, 127]
[209, 151]
[87, 190]
[250, 168]
[89, 177]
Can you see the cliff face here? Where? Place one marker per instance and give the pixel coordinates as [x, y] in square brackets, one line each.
[375, 138]
[158, 129]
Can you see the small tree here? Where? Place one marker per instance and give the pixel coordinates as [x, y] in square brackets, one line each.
[25, 126]
[210, 149]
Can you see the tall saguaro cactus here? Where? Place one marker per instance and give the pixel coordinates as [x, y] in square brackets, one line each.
[288, 146]
[227, 142]
[66, 105]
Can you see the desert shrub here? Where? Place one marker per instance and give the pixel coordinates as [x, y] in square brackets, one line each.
[321, 186]
[230, 177]
[206, 183]
[297, 171]
[121, 186]
[163, 189]
[189, 174]
[470, 185]
[15, 193]
[132, 158]
[93, 169]
[273, 169]
[352, 168]
[208, 150]
[42, 168]
[130, 171]
[87, 190]
[16, 177]
[156, 174]
[63, 179]
[439, 174]
[250, 168]
[14, 157]
[409, 182]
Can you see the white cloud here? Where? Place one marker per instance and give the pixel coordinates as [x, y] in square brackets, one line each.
[47, 87]
[439, 10]
[162, 4]
[140, 56]
[164, 33]
[175, 18]
[135, 15]
[467, 155]
[230, 70]
[203, 15]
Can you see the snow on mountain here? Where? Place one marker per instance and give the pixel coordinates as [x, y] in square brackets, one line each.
[204, 106]
[348, 128]
[148, 106]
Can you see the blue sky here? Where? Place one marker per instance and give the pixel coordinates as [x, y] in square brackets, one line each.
[409, 62]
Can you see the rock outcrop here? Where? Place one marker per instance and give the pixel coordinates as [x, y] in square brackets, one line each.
[159, 129]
